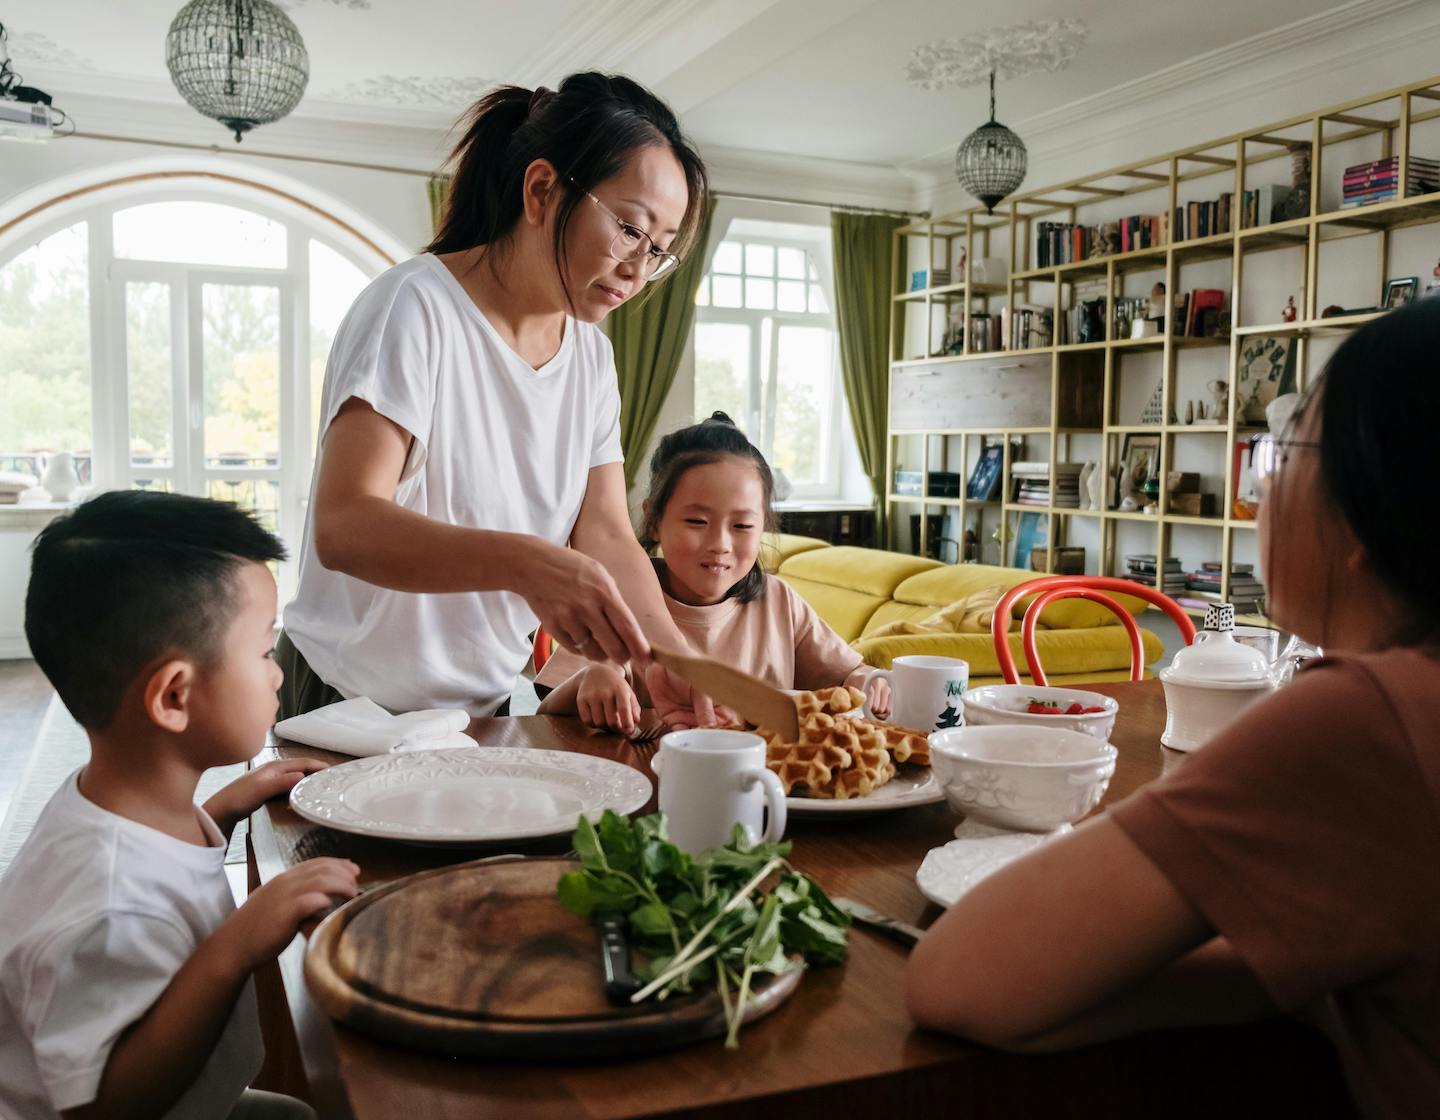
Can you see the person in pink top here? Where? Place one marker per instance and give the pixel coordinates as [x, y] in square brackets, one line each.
[709, 504]
[1289, 865]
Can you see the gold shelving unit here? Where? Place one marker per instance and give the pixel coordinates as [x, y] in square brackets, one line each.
[1384, 123]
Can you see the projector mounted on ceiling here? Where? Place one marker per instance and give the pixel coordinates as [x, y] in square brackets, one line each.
[26, 113]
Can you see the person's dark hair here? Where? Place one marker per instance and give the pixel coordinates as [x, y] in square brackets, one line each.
[588, 129]
[129, 577]
[1379, 395]
[709, 441]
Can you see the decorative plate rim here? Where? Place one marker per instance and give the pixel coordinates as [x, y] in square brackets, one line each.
[924, 790]
[316, 797]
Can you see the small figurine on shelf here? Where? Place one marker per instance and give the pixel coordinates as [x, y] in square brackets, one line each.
[1157, 301]
[1288, 315]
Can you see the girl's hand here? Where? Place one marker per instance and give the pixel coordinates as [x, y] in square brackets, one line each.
[877, 691]
[228, 806]
[578, 603]
[606, 700]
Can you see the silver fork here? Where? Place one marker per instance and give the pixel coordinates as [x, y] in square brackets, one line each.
[649, 732]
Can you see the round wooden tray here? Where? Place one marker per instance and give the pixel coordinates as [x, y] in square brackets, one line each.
[482, 959]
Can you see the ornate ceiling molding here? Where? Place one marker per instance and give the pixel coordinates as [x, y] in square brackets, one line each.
[602, 36]
[411, 90]
[356, 5]
[1033, 47]
[30, 48]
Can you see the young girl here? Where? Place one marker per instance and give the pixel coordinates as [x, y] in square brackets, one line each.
[1290, 864]
[708, 506]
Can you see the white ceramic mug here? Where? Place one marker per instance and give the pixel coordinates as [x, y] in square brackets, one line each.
[712, 780]
[925, 692]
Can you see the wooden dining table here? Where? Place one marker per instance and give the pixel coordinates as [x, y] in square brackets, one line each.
[841, 1045]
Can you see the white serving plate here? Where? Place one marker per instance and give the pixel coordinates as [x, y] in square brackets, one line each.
[910, 787]
[469, 795]
[977, 851]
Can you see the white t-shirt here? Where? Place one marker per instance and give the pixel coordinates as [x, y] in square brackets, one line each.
[497, 445]
[97, 914]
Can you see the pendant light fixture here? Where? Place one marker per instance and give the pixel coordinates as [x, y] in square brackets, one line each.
[240, 62]
[990, 162]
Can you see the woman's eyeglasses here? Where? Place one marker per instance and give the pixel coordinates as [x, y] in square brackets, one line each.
[1268, 453]
[634, 244]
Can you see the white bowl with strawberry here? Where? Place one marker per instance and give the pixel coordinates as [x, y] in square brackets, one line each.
[1034, 706]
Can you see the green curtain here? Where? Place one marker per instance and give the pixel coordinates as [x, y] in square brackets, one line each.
[863, 290]
[437, 186]
[649, 334]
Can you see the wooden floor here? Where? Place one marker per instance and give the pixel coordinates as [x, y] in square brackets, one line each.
[24, 696]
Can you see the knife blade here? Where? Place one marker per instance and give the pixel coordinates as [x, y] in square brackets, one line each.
[761, 703]
[871, 918]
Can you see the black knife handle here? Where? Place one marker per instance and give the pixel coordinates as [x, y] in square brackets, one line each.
[620, 982]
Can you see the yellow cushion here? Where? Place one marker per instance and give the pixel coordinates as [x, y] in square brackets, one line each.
[776, 548]
[1062, 652]
[959, 581]
[891, 612]
[865, 570]
[845, 610]
[970, 615]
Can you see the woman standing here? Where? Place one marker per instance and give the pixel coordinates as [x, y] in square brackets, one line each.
[470, 418]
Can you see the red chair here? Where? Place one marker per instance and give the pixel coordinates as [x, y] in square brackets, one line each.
[1052, 588]
[544, 647]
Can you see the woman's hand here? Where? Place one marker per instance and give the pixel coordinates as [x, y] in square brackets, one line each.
[680, 705]
[606, 700]
[577, 602]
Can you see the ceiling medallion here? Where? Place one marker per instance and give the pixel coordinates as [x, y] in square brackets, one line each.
[990, 163]
[241, 62]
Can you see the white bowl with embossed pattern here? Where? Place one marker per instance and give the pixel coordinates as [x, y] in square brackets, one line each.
[1034, 779]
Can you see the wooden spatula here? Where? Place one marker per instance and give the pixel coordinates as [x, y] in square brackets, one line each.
[757, 701]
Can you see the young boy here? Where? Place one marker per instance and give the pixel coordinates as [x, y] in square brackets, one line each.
[125, 967]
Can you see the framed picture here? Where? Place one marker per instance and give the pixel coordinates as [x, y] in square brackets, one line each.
[984, 482]
[1399, 292]
[1267, 370]
[1245, 502]
[1032, 532]
[1139, 460]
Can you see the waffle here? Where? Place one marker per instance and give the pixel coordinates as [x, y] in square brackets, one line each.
[906, 745]
[835, 758]
[832, 701]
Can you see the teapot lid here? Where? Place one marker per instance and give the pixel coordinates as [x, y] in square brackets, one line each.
[1215, 656]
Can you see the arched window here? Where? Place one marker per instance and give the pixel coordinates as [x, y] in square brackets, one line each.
[176, 340]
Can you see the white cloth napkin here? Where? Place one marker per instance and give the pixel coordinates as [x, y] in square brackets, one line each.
[362, 727]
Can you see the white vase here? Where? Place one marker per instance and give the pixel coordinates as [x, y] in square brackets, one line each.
[60, 479]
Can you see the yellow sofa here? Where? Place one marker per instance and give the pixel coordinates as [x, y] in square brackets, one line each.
[858, 591]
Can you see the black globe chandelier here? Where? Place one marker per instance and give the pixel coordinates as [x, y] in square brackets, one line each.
[240, 62]
[990, 162]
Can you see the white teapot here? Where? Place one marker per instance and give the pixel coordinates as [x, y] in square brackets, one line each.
[1211, 681]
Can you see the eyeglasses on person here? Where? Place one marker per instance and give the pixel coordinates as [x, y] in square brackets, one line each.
[631, 243]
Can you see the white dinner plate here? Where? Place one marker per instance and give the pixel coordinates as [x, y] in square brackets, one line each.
[978, 850]
[912, 786]
[469, 795]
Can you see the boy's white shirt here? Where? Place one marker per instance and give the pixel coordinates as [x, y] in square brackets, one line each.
[497, 445]
[97, 914]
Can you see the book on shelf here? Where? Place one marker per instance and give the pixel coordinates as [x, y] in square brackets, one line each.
[1202, 310]
[1027, 327]
[1203, 219]
[1059, 243]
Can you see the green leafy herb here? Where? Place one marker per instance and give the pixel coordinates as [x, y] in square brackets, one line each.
[707, 919]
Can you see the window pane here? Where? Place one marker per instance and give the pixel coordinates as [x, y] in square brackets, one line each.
[199, 233]
[791, 263]
[791, 295]
[334, 284]
[148, 376]
[727, 258]
[702, 293]
[260, 496]
[722, 370]
[817, 300]
[760, 260]
[760, 294]
[803, 403]
[726, 291]
[241, 328]
[45, 348]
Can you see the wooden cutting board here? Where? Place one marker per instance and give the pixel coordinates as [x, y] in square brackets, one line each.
[481, 959]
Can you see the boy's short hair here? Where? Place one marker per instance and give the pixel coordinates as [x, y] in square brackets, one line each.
[128, 577]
